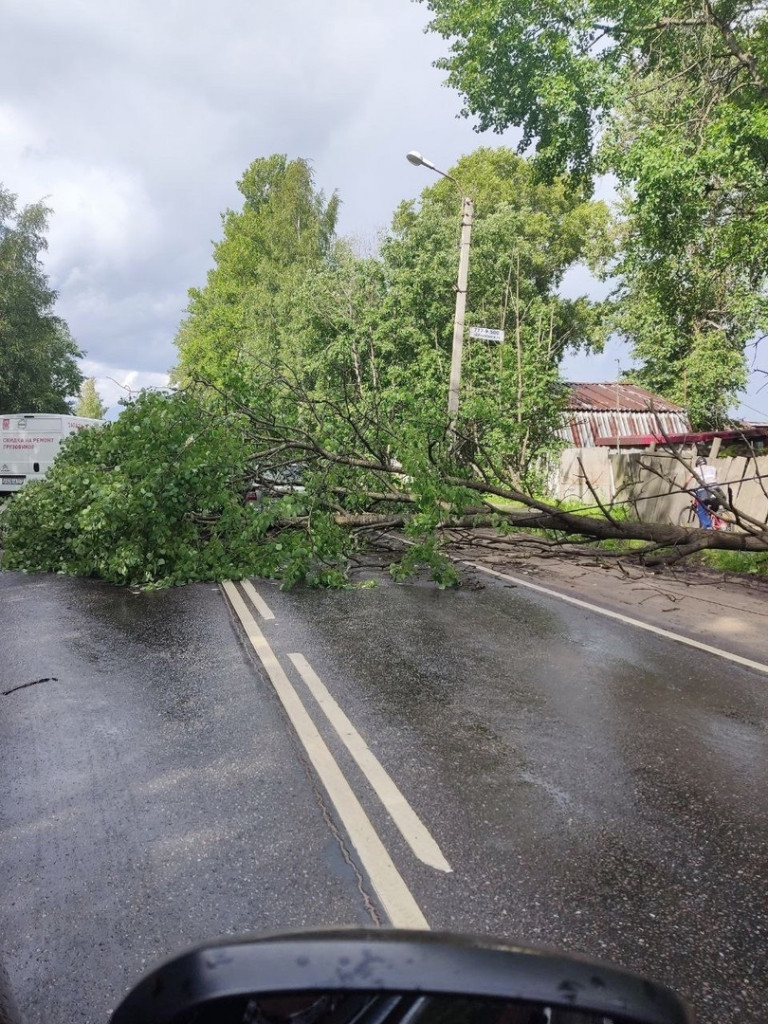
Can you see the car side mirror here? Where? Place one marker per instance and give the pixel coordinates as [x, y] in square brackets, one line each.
[366, 976]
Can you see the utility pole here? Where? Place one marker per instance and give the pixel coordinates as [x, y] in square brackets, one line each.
[467, 211]
[467, 216]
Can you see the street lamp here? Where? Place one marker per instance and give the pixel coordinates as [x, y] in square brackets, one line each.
[467, 210]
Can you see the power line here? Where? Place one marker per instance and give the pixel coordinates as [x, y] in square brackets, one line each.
[743, 405]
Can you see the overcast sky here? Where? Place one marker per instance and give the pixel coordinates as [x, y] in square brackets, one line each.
[134, 119]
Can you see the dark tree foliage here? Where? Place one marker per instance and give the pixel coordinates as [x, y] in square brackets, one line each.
[38, 357]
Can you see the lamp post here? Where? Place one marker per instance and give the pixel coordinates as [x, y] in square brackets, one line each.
[467, 211]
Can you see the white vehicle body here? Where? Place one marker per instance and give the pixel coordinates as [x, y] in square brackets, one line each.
[29, 442]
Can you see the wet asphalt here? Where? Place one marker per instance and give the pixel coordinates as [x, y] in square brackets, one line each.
[593, 787]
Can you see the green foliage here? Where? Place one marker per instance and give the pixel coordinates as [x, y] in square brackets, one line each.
[692, 265]
[281, 299]
[299, 352]
[149, 498]
[550, 68]
[89, 404]
[156, 499]
[247, 309]
[747, 563]
[526, 235]
[427, 554]
[673, 101]
[38, 369]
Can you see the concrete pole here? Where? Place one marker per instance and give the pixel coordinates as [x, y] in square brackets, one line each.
[467, 210]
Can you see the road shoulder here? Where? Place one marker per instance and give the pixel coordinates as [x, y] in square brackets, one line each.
[723, 611]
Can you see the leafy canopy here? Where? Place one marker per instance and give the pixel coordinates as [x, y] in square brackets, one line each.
[247, 308]
[156, 499]
[38, 357]
[300, 353]
[284, 293]
[147, 498]
[671, 100]
[527, 233]
[561, 71]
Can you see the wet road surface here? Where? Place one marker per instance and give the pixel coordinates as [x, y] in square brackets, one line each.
[151, 795]
[592, 787]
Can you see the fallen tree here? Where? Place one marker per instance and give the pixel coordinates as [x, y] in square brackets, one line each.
[454, 489]
[555, 527]
[158, 497]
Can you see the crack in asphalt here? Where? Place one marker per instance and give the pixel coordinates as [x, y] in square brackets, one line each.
[368, 902]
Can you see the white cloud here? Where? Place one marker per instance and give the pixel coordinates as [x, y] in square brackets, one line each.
[104, 220]
[135, 121]
[102, 213]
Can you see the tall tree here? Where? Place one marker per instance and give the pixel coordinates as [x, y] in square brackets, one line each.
[527, 234]
[38, 357]
[89, 403]
[247, 306]
[674, 102]
[281, 295]
[692, 263]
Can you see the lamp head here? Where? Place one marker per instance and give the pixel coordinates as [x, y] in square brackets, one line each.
[418, 160]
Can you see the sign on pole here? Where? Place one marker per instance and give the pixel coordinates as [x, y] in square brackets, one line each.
[486, 333]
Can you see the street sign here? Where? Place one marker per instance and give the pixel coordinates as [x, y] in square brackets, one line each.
[486, 334]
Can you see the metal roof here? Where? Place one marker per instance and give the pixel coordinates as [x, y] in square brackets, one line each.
[618, 396]
[597, 411]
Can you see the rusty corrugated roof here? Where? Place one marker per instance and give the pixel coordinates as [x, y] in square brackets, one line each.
[618, 397]
[597, 411]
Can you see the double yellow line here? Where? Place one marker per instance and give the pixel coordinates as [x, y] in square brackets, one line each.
[394, 895]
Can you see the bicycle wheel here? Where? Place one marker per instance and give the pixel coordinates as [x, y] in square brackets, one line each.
[687, 517]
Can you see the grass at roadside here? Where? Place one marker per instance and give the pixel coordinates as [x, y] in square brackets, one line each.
[746, 563]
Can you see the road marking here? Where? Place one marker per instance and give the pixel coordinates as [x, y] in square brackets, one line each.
[257, 600]
[395, 897]
[411, 826]
[688, 641]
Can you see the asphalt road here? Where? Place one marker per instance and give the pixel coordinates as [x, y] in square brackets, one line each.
[152, 796]
[590, 786]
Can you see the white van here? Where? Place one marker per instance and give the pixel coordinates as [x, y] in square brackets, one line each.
[29, 442]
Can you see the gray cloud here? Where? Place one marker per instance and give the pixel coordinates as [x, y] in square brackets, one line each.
[136, 119]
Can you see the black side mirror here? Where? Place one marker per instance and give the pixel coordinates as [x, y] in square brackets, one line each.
[361, 976]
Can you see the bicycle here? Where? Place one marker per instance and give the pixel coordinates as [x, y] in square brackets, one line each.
[689, 517]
